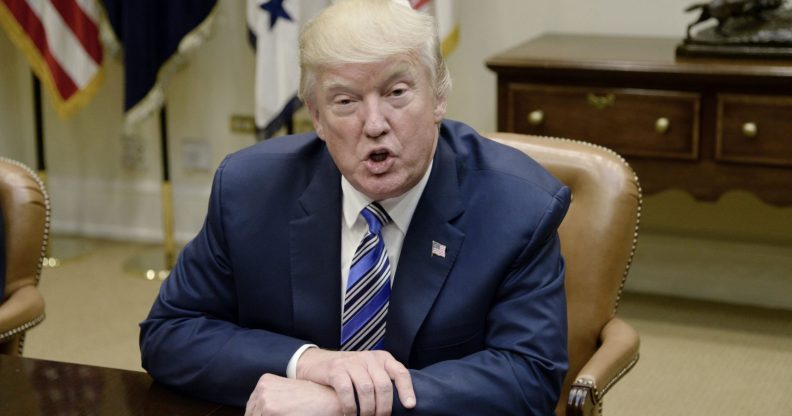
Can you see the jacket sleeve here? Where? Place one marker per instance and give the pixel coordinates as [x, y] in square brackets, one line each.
[191, 340]
[521, 369]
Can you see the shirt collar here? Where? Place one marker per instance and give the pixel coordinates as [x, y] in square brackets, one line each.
[400, 208]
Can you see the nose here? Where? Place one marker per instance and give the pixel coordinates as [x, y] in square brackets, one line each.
[375, 123]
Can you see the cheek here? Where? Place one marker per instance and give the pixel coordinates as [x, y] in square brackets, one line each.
[417, 151]
[340, 144]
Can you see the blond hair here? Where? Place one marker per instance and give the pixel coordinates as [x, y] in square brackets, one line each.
[367, 31]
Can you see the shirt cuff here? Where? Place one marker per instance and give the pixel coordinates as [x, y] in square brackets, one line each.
[291, 368]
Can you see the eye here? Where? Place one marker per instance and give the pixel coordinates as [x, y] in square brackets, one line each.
[343, 104]
[398, 92]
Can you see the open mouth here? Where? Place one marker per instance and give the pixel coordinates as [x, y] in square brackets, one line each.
[379, 162]
[378, 156]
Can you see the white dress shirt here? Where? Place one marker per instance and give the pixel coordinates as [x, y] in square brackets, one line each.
[354, 227]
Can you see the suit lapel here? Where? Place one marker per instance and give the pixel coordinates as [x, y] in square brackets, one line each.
[420, 275]
[315, 258]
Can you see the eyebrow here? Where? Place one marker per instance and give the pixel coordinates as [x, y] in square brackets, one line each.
[400, 70]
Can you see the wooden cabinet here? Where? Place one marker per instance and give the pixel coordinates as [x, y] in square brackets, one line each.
[705, 126]
[651, 123]
[754, 129]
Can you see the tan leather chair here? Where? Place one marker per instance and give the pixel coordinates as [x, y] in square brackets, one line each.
[25, 208]
[598, 238]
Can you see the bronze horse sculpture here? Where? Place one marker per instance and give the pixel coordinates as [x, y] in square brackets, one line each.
[724, 10]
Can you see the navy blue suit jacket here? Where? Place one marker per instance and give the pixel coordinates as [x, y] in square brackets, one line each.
[482, 330]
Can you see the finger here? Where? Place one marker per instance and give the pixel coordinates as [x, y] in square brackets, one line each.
[364, 387]
[250, 406]
[403, 380]
[383, 391]
[342, 384]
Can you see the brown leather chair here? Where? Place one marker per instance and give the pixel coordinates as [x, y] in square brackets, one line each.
[25, 208]
[598, 239]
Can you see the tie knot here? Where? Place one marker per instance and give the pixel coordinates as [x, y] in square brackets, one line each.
[375, 216]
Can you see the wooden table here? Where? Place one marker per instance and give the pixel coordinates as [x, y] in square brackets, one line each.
[702, 125]
[39, 387]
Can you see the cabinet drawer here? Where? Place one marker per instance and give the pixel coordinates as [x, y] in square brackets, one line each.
[633, 122]
[754, 129]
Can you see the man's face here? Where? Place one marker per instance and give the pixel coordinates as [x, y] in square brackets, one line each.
[379, 121]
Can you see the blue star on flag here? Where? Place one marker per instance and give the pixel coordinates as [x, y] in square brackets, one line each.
[276, 11]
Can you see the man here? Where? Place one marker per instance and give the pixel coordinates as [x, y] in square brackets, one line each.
[458, 279]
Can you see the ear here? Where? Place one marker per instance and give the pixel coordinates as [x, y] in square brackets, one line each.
[440, 108]
[312, 110]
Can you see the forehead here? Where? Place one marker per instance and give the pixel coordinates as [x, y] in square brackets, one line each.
[360, 75]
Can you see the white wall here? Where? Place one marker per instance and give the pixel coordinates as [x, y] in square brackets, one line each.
[94, 195]
[16, 105]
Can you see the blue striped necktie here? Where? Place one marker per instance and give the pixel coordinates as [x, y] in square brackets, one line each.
[368, 287]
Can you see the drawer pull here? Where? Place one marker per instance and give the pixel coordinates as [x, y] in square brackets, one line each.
[536, 117]
[601, 101]
[750, 130]
[661, 125]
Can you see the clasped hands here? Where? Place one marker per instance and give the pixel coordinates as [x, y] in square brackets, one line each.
[328, 381]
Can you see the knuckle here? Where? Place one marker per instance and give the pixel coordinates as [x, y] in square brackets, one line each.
[341, 364]
[382, 354]
[385, 387]
[365, 388]
[264, 381]
[350, 409]
[336, 364]
[268, 409]
[337, 374]
[344, 389]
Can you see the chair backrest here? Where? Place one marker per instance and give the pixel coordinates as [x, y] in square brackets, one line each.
[25, 210]
[598, 235]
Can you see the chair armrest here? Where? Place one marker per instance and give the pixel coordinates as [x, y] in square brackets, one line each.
[22, 310]
[617, 354]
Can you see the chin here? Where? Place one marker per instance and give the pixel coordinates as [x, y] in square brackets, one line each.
[389, 185]
[379, 193]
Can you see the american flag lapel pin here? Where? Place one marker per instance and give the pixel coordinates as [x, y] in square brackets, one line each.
[438, 249]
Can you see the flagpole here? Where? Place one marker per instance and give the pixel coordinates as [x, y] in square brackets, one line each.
[38, 122]
[41, 163]
[58, 249]
[167, 195]
[290, 123]
[155, 263]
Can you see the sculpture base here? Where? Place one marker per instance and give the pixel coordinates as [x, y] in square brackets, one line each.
[696, 50]
[745, 37]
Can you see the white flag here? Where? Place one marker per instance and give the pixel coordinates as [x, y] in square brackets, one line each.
[275, 24]
[447, 23]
